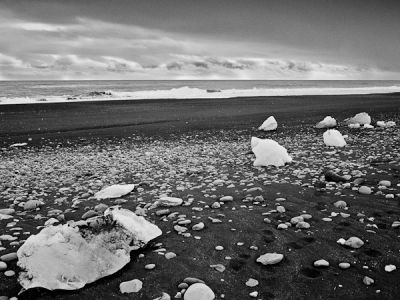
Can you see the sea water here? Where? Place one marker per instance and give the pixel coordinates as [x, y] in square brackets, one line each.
[19, 92]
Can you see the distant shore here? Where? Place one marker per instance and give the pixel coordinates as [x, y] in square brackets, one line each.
[165, 116]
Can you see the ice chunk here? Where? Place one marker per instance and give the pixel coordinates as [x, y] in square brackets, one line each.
[114, 191]
[386, 124]
[327, 122]
[69, 256]
[334, 138]
[269, 124]
[360, 118]
[268, 152]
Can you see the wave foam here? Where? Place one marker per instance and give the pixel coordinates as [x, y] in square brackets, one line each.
[196, 93]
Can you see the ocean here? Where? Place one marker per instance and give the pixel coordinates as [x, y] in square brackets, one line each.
[19, 92]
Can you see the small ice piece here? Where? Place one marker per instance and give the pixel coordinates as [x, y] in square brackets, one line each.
[114, 191]
[334, 138]
[360, 118]
[327, 122]
[269, 124]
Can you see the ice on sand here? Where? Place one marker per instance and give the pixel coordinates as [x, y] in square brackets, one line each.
[334, 138]
[114, 191]
[269, 124]
[268, 152]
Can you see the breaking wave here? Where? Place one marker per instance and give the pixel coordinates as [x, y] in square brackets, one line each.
[197, 93]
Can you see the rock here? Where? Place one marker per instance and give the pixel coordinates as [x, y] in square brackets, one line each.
[149, 266]
[344, 265]
[321, 263]
[365, 190]
[226, 199]
[169, 201]
[269, 152]
[296, 220]
[132, 286]
[386, 183]
[192, 280]
[216, 205]
[100, 208]
[170, 255]
[199, 291]
[183, 285]
[303, 225]
[368, 280]
[332, 176]
[163, 212]
[327, 122]
[333, 138]
[164, 296]
[9, 273]
[198, 226]
[270, 258]
[280, 209]
[253, 294]
[360, 118]
[3, 266]
[218, 267]
[252, 282]
[282, 226]
[7, 211]
[114, 191]
[390, 268]
[396, 224]
[9, 257]
[91, 252]
[269, 124]
[354, 242]
[340, 204]
[89, 214]
[32, 204]
[219, 248]
[358, 181]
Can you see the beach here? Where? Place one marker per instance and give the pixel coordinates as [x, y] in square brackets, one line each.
[199, 150]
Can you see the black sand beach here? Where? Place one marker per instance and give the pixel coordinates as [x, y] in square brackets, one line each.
[199, 150]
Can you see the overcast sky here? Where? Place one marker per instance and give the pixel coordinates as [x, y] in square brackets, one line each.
[199, 39]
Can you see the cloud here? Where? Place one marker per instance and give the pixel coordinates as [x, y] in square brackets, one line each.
[87, 48]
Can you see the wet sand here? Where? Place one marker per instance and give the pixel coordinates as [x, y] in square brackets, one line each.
[198, 150]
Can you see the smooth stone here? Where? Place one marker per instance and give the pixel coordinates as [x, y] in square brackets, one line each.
[386, 183]
[169, 201]
[321, 263]
[9, 273]
[280, 209]
[296, 220]
[7, 211]
[226, 199]
[282, 226]
[216, 205]
[344, 265]
[252, 282]
[89, 214]
[253, 294]
[132, 286]
[198, 226]
[303, 225]
[368, 280]
[163, 212]
[3, 266]
[365, 190]
[354, 242]
[270, 258]
[340, 204]
[149, 266]
[164, 296]
[9, 257]
[390, 268]
[170, 255]
[192, 280]
[32, 204]
[199, 291]
[219, 248]
[183, 285]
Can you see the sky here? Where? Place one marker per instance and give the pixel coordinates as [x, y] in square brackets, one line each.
[199, 39]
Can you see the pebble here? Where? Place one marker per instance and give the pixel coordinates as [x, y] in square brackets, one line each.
[321, 263]
[198, 226]
[282, 226]
[386, 183]
[254, 294]
[251, 282]
[3, 266]
[280, 209]
[164, 296]
[199, 291]
[183, 285]
[9, 273]
[365, 190]
[9, 257]
[303, 225]
[170, 255]
[219, 248]
[270, 258]
[192, 280]
[149, 266]
[368, 280]
[340, 204]
[354, 242]
[390, 268]
[226, 199]
[344, 265]
[132, 286]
